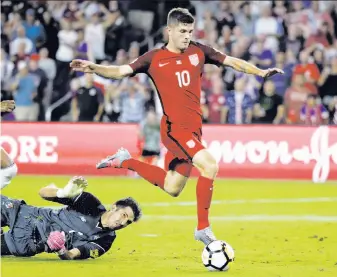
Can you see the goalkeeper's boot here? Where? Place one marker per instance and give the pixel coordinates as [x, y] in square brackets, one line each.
[205, 235]
[115, 160]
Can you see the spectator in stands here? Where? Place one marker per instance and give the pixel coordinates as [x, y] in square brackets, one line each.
[289, 64]
[300, 16]
[261, 55]
[121, 57]
[328, 86]
[116, 37]
[20, 56]
[57, 9]
[322, 36]
[280, 82]
[245, 19]
[6, 71]
[83, 50]
[224, 16]
[149, 137]
[294, 40]
[133, 97]
[215, 101]
[41, 81]
[94, 33]
[51, 27]
[206, 79]
[64, 55]
[295, 97]
[267, 25]
[88, 102]
[33, 28]
[25, 91]
[13, 24]
[280, 9]
[48, 65]
[111, 103]
[313, 111]
[133, 51]
[331, 51]
[321, 14]
[319, 59]
[307, 67]
[269, 107]
[238, 105]
[21, 40]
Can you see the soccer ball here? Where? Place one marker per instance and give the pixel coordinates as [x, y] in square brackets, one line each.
[217, 256]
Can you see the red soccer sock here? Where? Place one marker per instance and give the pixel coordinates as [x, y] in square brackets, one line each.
[154, 174]
[204, 198]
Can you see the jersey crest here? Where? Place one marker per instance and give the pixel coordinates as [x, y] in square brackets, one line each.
[194, 59]
[94, 253]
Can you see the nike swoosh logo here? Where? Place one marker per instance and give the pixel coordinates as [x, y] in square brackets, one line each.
[162, 64]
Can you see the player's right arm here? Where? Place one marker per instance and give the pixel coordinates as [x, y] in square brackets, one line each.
[67, 195]
[111, 71]
[92, 249]
[72, 254]
[140, 65]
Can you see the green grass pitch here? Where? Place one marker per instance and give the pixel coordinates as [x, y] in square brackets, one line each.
[278, 229]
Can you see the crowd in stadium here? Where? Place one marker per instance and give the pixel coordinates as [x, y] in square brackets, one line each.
[40, 38]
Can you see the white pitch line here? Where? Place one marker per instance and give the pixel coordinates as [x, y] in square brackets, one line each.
[259, 218]
[149, 235]
[234, 201]
[245, 201]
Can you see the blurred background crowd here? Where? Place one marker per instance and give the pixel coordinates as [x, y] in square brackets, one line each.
[40, 38]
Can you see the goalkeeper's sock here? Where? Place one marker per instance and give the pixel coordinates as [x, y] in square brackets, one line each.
[154, 174]
[204, 193]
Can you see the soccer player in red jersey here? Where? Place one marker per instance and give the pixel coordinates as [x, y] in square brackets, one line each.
[175, 70]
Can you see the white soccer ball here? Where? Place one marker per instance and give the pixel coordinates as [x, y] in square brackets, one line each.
[217, 256]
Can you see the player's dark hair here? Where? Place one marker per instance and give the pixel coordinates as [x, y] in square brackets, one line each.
[132, 203]
[179, 15]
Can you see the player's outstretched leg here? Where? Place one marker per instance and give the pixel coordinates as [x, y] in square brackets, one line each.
[122, 159]
[208, 168]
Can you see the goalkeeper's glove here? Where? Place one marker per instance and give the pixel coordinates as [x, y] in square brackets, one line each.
[74, 188]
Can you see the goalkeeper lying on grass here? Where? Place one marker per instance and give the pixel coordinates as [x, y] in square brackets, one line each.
[82, 229]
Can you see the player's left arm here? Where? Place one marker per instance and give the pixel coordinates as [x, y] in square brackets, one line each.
[249, 68]
[213, 56]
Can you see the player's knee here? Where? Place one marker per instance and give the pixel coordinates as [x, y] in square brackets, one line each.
[174, 190]
[211, 170]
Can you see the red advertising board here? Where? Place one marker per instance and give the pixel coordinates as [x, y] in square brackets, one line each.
[250, 151]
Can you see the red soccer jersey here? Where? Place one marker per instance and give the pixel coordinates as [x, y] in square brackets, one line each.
[177, 78]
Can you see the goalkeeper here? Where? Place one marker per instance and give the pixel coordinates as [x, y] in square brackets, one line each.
[82, 229]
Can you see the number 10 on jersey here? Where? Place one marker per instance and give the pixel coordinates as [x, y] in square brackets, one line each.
[183, 78]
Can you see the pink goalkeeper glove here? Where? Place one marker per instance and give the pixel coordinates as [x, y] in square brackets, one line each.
[56, 240]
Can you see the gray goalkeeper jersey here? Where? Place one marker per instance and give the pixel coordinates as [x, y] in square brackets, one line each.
[79, 219]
